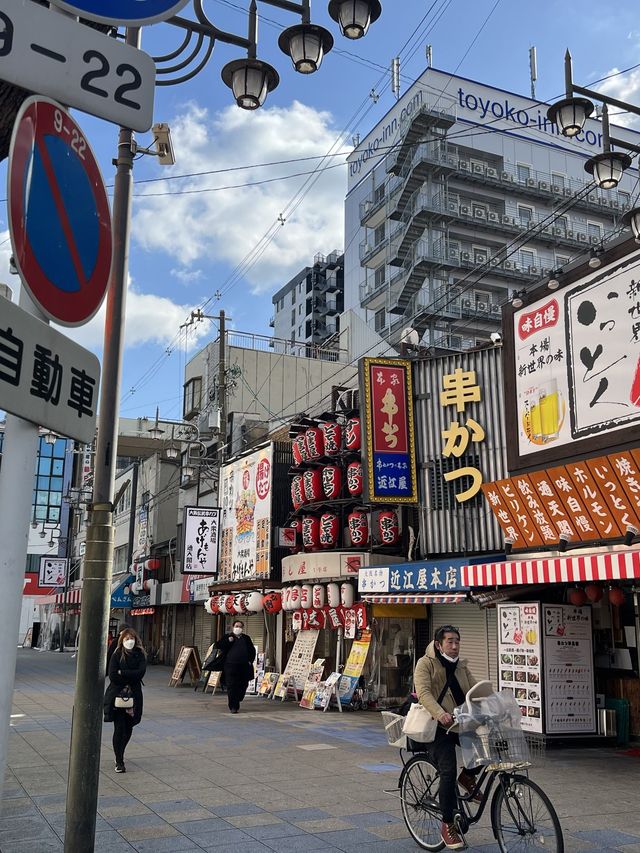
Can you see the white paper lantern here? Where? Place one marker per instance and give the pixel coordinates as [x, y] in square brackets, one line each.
[239, 603]
[296, 621]
[253, 602]
[318, 596]
[346, 595]
[307, 596]
[286, 598]
[207, 606]
[222, 607]
[333, 594]
[295, 597]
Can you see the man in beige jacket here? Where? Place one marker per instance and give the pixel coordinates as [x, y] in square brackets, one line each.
[442, 682]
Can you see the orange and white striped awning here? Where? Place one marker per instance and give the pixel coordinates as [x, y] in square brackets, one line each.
[610, 566]
[416, 598]
[74, 596]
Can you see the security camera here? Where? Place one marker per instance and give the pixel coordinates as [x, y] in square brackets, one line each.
[496, 337]
[164, 148]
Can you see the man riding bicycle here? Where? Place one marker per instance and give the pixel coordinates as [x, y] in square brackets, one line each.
[442, 681]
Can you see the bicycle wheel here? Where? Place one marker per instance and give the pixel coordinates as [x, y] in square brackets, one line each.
[523, 818]
[419, 784]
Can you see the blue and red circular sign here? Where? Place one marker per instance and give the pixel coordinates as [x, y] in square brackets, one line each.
[123, 12]
[59, 217]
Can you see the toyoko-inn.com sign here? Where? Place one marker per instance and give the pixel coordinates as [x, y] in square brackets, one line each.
[576, 363]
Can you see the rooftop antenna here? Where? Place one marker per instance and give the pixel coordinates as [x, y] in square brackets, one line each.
[429, 56]
[533, 68]
[395, 77]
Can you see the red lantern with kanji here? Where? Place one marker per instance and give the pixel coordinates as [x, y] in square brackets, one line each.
[388, 527]
[331, 482]
[314, 441]
[358, 524]
[352, 436]
[299, 449]
[616, 596]
[332, 436]
[577, 597]
[312, 483]
[214, 604]
[297, 491]
[229, 603]
[272, 602]
[329, 527]
[310, 532]
[297, 455]
[354, 478]
[593, 592]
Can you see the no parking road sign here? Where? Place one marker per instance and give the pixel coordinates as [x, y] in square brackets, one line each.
[59, 217]
[124, 12]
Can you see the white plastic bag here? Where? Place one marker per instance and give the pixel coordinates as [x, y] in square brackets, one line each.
[419, 724]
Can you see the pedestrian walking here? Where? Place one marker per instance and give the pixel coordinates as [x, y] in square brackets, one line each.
[237, 668]
[442, 682]
[113, 643]
[123, 697]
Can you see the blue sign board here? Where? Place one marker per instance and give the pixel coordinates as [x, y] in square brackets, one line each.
[118, 597]
[433, 576]
[123, 12]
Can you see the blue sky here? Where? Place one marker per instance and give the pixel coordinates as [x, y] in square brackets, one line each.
[190, 242]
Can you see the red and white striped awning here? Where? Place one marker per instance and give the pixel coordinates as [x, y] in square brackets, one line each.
[416, 598]
[616, 565]
[74, 596]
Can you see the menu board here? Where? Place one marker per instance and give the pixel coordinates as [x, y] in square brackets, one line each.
[354, 667]
[568, 669]
[299, 663]
[519, 665]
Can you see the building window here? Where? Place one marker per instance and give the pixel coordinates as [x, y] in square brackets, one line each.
[293, 316]
[561, 260]
[594, 230]
[299, 333]
[378, 234]
[527, 258]
[293, 295]
[624, 199]
[524, 173]
[379, 276]
[378, 194]
[525, 214]
[379, 320]
[562, 222]
[558, 180]
[300, 307]
[47, 494]
[480, 254]
[192, 397]
[124, 504]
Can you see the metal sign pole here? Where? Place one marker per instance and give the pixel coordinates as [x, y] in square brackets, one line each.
[16, 487]
[84, 759]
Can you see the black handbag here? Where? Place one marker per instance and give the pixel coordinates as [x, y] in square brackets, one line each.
[214, 662]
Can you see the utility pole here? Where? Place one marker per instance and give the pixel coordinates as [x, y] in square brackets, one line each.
[222, 387]
[86, 728]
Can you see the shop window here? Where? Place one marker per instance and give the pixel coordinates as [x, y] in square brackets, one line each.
[443, 493]
[397, 658]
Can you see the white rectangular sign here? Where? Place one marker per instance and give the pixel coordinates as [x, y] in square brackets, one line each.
[519, 664]
[245, 494]
[201, 535]
[53, 571]
[577, 359]
[55, 55]
[321, 566]
[45, 377]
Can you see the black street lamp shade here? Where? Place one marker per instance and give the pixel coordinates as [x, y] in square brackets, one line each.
[306, 44]
[607, 168]
[570, 115]
[354, 16]
[632, 220]
[250, 80]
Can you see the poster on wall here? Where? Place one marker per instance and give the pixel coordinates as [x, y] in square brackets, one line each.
[576, 362]
[245, 497]
[519, 664]
[568, 670]
[201, 527]
[300, 660]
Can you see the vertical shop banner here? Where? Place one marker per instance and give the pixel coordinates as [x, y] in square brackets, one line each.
[388, 436]
[575, 365]
[201, 526]
[519, 664]
[245, 497]
[568, 670]
[354, 667]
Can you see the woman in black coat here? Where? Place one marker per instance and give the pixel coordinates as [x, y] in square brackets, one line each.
[237, 668]
[127, 667]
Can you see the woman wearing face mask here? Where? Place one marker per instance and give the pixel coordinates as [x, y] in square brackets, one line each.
[237, 670]
[127, 667]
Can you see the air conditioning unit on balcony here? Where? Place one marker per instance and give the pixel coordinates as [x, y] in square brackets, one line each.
[480, 259]
[546, 229]
[491, 173]
[545, 271]
[543, 185]
[463, 165]
[478, 169]
[453, 254]
[493, 217]
[366, 207]
[531, 182]
[466, 256]
[508, 265]
[495, 261]
[483, 307]
[453, 206]
[464, 210]
[567, 192]
[594, 240]
[466, 303]
[582, 238]
[570, 234]
[534, 270]
[615, 204]
[506, 176]
[603, 201]
[479, 213]
[507, 220]
[593, 198]
[558, 231]
[496, 309]
[556, 189]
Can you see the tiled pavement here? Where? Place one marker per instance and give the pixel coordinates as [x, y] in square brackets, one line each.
[272, 778]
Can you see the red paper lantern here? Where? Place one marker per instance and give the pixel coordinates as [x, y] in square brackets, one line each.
[352, 436]
[314, 441]
[299, 449]
[152, 565]
[329, 527]
[214, 604]
[358, 524]
[616, 596]
[332, 436]
[272, 602]
[230, 604]
[388, 527]
[593, 592]
[331, 481]
[297, 491]
[577, 597]
[354, 478]
[310, 532]
[312, 484]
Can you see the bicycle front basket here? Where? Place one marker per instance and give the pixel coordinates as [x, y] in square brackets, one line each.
[393, 724]
[494, 745]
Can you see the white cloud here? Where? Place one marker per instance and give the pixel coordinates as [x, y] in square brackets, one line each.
[624, 87]
[186, 276]
[226, 225]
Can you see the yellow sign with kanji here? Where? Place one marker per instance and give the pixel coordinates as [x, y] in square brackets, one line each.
[459, 389]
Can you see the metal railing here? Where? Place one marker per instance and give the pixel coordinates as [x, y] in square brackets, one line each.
[298, 349]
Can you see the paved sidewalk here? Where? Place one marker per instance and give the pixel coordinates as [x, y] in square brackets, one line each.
[273, 778]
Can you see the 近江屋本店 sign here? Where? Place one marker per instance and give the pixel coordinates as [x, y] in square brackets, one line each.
[201, 531]
[428, 576]
[573, 362]
[389, 441]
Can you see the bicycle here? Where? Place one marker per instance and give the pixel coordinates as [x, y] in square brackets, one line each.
[522, 815]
